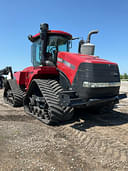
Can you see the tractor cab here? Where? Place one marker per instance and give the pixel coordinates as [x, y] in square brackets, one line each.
[46, 45]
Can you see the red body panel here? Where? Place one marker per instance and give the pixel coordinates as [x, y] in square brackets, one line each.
[68, 63]
[28, 74]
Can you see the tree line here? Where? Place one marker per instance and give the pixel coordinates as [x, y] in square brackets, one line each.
[124, 76]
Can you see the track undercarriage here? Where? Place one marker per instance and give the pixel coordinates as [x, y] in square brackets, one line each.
[41, 101]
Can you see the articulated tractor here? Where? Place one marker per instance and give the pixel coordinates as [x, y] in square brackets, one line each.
[60, 82]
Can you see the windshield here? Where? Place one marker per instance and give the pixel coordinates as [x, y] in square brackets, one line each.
[60, 43]
[55, 44]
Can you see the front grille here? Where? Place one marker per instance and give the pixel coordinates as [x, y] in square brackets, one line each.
[99, 72]
[96, 73]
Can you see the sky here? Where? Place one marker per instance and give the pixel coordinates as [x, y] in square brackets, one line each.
[19, 18]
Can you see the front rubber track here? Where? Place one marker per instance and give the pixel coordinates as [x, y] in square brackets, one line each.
[49, 109]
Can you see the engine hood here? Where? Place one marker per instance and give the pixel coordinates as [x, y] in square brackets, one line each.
[69, 63]
[80, 58]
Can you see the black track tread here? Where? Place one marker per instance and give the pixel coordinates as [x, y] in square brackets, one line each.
[67, 110]
[50, 96]
[50, 91]
[58, 90]
[18, 95]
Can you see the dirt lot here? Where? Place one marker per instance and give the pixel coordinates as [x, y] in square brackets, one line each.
[93, 143]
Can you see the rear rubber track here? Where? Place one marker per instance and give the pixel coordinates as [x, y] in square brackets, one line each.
[13, 96]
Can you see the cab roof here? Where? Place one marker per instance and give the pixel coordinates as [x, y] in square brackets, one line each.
[36, 36]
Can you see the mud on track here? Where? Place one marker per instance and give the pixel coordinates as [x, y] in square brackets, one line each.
[93, 142]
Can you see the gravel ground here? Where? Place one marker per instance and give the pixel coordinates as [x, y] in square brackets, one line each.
[124, 86]
[92, 143]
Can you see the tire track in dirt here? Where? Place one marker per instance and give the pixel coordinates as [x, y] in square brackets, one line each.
[106, 137]
[105, 150]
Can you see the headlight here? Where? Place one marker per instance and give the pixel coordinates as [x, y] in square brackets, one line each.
[98, 85]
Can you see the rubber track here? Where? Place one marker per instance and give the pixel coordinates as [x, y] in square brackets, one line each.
[50, 91]
[18, 96]
[51, 94]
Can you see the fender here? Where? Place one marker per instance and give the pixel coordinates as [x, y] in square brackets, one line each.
[12, 83]
[24, 78]
[64, 81]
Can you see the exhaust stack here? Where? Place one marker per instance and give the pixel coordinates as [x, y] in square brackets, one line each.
[43, 36]
[87, 48]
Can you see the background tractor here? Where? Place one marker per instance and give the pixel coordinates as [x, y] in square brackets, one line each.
[5, 71]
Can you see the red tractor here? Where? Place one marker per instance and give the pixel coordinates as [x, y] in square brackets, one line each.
[60, 81]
